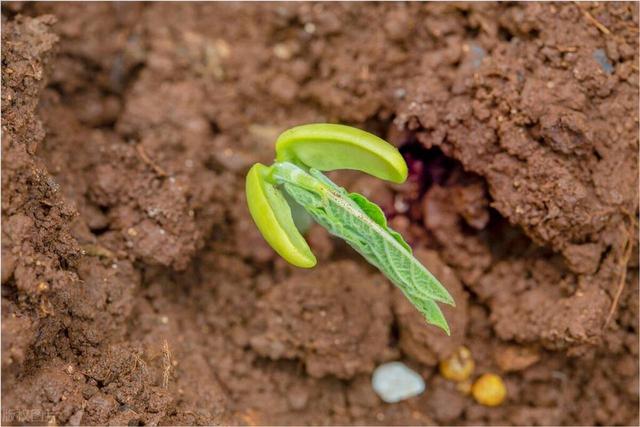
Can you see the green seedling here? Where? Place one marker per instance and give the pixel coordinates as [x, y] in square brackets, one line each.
[302, 154]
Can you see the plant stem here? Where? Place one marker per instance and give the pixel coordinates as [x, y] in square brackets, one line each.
[286, 172]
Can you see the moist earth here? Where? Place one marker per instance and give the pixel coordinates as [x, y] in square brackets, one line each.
[136, 289]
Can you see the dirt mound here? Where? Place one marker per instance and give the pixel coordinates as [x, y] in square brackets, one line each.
[136, 290]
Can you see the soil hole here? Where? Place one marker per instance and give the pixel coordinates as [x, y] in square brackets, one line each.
[445, 199]
[504, 34]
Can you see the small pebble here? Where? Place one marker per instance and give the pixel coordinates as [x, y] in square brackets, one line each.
[394, 382]
[489, 390]
[400, 93]
[601, 58]
[459, 366]
[476, 55]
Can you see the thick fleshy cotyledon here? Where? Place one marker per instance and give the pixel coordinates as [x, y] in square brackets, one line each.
[301, 154]
[328, 147]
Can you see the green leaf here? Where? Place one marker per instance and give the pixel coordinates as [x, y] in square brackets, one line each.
[375, 213]
[432, 314]
[363, 226]
[327, 147]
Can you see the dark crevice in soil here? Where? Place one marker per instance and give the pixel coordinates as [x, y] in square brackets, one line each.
[504, 34]
[508, 240]
[10, 291]
[428, 166]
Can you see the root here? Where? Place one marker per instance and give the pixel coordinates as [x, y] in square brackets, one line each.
[139, 363]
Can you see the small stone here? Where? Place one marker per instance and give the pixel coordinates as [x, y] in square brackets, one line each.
[601, 58]
[282, 51]
[400, 93]
[489, 390]
[394, 382]
[512, 358]
[459, 366]
[476, 55]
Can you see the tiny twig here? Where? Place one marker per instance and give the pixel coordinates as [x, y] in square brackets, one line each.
[97, 251]
[594, 21]
[145, 158]
[597, 23]
[566, 48]
[166, 361]
[624, 261]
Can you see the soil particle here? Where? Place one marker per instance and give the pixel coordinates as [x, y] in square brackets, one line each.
[19, 335]
[136, 290]
[29, 44]
[329, 336]
[516, 358]
[469, 253]
[361, 396]
[445, 403]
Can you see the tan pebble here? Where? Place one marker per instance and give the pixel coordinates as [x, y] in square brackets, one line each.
[516, 358]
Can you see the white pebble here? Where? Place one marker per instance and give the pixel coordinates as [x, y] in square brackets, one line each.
[394, 382]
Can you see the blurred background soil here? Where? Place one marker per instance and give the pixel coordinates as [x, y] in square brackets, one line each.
[136, 289]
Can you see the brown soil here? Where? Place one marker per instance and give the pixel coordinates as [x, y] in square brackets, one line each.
[136, 290]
